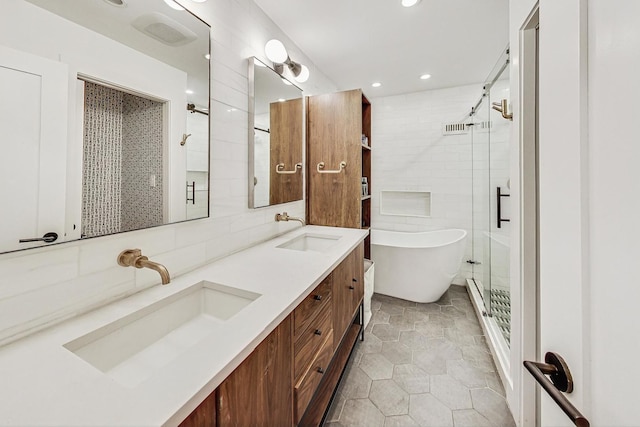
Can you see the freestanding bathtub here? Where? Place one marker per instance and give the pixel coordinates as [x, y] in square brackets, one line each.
[416, 266]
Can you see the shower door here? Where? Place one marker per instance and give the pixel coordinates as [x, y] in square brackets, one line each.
[491, 199]
[481, 195]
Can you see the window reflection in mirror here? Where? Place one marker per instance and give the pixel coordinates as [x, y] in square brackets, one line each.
[107, 111]
[275, 145]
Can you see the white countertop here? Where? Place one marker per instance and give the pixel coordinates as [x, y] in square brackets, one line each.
[44, 383]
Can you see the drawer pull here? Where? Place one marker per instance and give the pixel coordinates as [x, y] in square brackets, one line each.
[320, 370]
[351, 288]
[317, 297]
[318, 332]
[354, 280]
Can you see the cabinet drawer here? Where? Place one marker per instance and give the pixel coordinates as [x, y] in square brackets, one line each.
[311, 306]
[309, 341]
[306, 386]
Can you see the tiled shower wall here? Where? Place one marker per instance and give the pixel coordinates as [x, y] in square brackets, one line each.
[409, 153]
[102, 157]
[42, 286]
[142, 154]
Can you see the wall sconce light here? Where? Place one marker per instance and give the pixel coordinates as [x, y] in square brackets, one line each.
[276, 52]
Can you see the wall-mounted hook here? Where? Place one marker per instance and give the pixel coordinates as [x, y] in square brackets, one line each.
[502, 108]
[184, 138]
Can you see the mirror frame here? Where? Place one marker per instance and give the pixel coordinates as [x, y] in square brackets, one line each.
[251, 132]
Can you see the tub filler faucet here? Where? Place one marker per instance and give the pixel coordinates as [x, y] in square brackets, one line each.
[134, 258]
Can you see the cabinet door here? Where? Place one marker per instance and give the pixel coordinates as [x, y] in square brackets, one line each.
[259, 392]
[204, 415]
[346, 288]
[335, 135]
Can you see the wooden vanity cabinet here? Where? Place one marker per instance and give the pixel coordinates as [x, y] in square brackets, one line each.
[258, 392]
[290, 377]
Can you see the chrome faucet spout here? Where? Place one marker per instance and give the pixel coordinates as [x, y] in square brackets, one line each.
[134, 258]
[285, 217]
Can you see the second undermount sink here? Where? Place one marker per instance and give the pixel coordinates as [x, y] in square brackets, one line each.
[133, 348]
[311, 242]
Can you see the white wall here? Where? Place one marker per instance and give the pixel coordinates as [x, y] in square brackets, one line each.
[409, 152]
[42, 286]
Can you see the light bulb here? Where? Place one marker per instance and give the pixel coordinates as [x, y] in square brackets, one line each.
[275, 51]
[173, 5]
[304, 74]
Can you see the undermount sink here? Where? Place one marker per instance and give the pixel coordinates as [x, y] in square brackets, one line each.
[311, 242]
[132, 348]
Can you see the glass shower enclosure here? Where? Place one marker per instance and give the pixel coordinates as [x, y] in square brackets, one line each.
[490, 199]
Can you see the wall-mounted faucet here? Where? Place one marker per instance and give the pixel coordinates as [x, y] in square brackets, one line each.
[285, 217]
[134, 258]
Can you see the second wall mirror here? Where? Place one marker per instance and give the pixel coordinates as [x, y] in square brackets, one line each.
[276, 117]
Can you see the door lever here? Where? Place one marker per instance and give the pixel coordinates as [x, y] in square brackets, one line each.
[560, 380]
[47, 238]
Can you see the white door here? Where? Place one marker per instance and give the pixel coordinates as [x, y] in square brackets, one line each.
[589, 200]
[33, 140]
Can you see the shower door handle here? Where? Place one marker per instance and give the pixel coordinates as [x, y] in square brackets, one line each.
[499, 197]
[560, 380]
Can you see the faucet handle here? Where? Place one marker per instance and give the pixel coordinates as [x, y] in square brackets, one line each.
[128, 257]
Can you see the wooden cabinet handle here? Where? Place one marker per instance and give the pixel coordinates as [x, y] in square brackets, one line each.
[317, 297]
[320, 370]
[318, 332]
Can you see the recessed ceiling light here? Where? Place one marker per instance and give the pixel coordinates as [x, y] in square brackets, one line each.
[409, 3]
[188, 92]
[198, 1]
[287, 82]
[117, 3]
[207, 56]
[425, 76]
[376, 84]
[281, 99]
[173, 5]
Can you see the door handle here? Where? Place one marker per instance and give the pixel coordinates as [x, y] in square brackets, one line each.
[47, 238]
[560, 380]
[499, 197]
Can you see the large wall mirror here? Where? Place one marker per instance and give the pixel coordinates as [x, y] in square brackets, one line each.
[103, 118]
[276, 117]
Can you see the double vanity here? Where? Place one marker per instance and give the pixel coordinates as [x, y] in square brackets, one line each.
[183, 352]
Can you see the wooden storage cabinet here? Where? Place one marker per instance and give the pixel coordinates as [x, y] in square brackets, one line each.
[336, 125]
[348, 290]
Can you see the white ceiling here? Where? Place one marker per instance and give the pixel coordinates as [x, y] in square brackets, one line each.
[358, 42]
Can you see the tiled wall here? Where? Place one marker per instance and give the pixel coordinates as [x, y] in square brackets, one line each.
[409, 153]
[142, 157]
[102, 157]
[42, 286]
